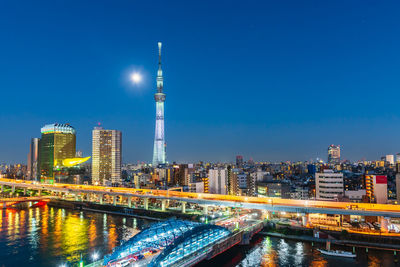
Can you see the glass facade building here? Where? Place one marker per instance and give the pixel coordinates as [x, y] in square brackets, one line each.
[33, 160]
[58, 142]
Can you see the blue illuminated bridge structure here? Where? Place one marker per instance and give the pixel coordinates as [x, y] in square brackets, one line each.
[166, 243]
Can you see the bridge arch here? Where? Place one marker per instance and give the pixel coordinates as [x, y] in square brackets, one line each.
[166, 242]
[190, 242]
[155, 237]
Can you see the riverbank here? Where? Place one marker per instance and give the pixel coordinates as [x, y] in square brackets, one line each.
[119, 210]
[342, 242]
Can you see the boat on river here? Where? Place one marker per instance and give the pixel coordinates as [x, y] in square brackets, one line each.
[339, 253]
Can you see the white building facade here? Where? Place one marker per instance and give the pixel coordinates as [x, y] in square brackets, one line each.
[328, 185]
[217, 179]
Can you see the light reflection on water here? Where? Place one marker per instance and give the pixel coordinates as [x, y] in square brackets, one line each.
[48, 236]
[270, 251]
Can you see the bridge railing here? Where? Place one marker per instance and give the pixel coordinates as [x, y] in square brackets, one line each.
[214, 197]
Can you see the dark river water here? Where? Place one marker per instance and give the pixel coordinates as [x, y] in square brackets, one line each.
[47, 236]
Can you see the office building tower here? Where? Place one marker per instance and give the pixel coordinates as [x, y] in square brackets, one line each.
[390, 159]
[328, 185]
[333, 155]
[58, 143]
[311, 168]
[233, 188]
[376, 187]
[239, 161]
[398, 187]
[217, 179]
[106, 156]
[182, 174]
[159, 152]
[33, 160]
[276, 189]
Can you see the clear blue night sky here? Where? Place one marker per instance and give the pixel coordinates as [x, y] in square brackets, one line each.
[272, 80]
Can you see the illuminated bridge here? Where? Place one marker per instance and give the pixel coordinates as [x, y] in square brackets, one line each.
[127, 196]
[168, 243]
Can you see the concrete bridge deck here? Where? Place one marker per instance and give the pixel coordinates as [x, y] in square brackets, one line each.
[269, 204]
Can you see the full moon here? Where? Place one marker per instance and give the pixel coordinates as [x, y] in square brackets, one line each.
[136, 77]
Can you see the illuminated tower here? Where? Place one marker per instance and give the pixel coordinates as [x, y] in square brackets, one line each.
[159, 138]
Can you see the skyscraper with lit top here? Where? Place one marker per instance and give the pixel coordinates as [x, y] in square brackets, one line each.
[58, 142]
[333, 155]
[159, 152]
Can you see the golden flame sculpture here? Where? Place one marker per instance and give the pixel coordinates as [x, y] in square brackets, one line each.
[74, 161]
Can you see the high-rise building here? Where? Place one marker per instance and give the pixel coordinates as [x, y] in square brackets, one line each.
[33, 160]
[182, 174]
[328, 185]
[159, 152]
[58, 142]
[217, 179]
[106, 156]
[233, 188]
[390, 159]
[376, 187]
[398, 188]
[239, 161]
[333, 154]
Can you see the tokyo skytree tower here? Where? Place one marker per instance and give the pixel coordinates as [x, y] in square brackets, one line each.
[159, 153]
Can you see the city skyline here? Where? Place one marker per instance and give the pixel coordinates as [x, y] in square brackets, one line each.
[277, 145]
[264, 96]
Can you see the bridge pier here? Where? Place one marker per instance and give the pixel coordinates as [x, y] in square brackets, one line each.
[100, 196]
[228, 211]
[304, 219]
[163, 204]
[13, 189]
[384, 221]
[114, 198]
[205, 210]
[129, 202]
[40, 192]
[183, 206]
[2, 188]
[76, 197]
[24, 191]
[146, 203]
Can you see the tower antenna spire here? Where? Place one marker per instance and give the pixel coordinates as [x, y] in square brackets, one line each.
[159, 54]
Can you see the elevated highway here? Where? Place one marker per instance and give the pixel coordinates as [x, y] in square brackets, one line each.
[269, 204]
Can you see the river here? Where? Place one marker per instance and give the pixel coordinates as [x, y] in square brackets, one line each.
[48, 236]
